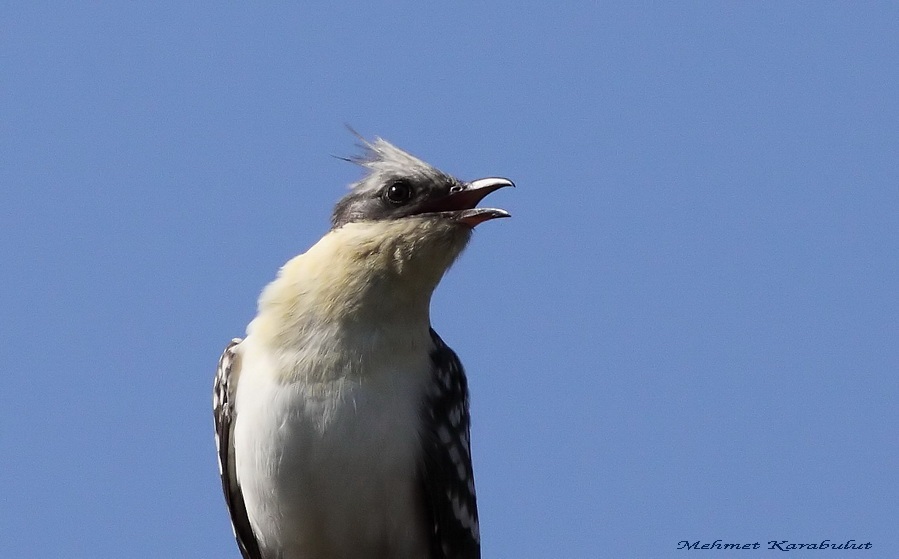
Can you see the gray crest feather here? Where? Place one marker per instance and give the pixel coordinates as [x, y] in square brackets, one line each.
[386, 164]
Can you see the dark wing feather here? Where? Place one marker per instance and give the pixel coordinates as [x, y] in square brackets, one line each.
[223, 411]
[446, 475]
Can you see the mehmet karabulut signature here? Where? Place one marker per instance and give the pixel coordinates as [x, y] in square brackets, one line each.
[782, 545]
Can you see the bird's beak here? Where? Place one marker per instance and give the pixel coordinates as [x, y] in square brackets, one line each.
[460, 204]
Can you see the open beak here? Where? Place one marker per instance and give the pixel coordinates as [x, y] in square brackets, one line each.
[460, 204]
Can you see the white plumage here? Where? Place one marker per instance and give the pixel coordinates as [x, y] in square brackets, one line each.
[329, 440]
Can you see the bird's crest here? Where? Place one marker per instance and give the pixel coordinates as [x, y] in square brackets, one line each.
[386, 162]
[387, 166]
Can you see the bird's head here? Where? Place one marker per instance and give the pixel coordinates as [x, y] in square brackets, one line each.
[399, 185]
[392, 238]
[411, 210]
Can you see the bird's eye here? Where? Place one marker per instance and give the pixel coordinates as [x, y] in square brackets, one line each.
[399, 192]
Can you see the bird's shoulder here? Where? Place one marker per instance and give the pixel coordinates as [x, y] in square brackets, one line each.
[446, 475]
[224, 413]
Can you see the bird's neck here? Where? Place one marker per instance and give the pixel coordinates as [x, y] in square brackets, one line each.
[354, 280]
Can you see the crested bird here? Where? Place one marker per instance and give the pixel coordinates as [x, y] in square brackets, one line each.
[342, 418]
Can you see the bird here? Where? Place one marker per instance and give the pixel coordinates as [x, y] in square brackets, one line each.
[341, 418]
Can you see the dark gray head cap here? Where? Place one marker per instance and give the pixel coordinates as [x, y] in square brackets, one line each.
[390, 168]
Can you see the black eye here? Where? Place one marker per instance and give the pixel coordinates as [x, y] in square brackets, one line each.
[399, 192]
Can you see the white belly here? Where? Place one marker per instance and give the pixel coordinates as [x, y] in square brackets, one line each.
[328, 470]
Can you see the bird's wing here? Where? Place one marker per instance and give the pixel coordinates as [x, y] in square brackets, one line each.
[445, 474]
[224, 412]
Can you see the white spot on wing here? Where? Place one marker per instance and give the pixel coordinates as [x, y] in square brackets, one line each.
[460, 511]
[444, 434]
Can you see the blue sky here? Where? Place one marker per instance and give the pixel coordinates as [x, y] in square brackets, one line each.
[688, 329]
